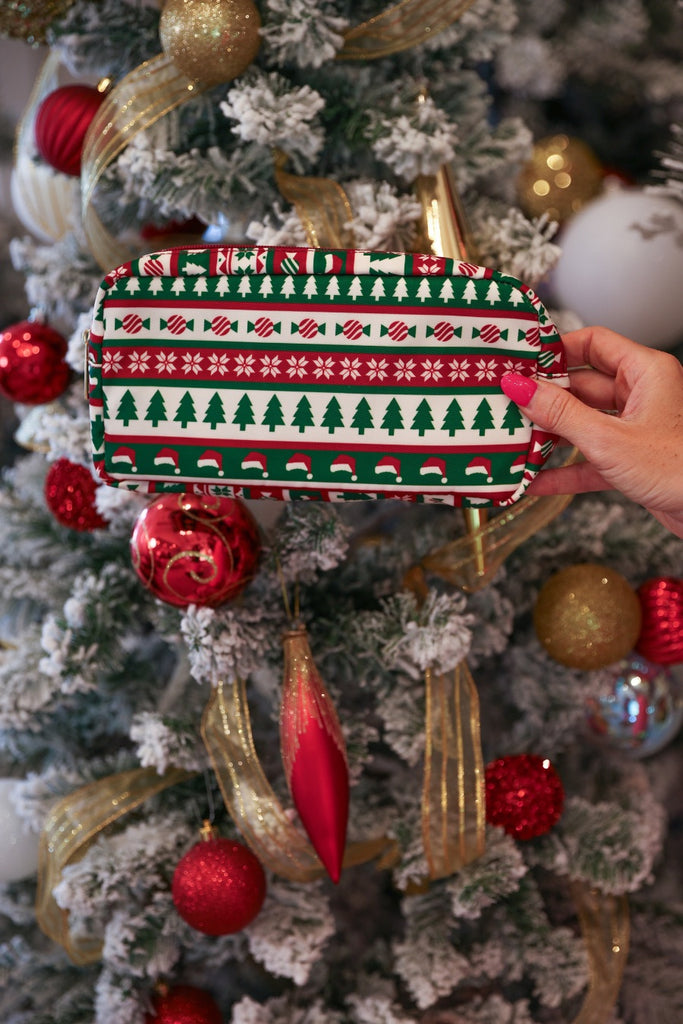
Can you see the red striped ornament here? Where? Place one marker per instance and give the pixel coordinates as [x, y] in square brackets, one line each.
[661, 634]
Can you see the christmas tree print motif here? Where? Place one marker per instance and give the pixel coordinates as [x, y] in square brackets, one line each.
[512, 419]
[493, 293]
[273, 416]
[362, 417]
[156, 410]
[422, 420]
[453, 420]
[303, 414]
[244, 414]
[470, 293]
[186, 412]
[127, 410]
[332, 417]
[483, 418]
[215, 412]
[97, 433]
[393, 420]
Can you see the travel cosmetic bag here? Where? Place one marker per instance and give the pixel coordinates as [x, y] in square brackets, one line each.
[276, 372]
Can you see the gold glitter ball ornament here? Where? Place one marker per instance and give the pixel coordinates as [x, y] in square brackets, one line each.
[562, 175]
[211, 41]
[30, 19]
[587, 616]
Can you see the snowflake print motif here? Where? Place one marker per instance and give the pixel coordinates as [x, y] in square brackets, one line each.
[112, 361]
[138, 362]
[192, 363]
[485, 369]
[431, 369]
[350, 368]
[296, 366]
[404, 369]
[270, 366]
[514, 366]
[244, 365]
[377, 368]
[218, 363]
[459, 370]
[166, 362]
[324, 367]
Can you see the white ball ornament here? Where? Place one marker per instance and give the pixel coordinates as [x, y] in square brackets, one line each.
[622, 266]
[18, 847]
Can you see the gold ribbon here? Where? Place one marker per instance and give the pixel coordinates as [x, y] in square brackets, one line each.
[255, 809]
[604, 921]
[73, 824]
[401, 26]
[471, 561]
[322, 205]
[138, 101]
[453, 797]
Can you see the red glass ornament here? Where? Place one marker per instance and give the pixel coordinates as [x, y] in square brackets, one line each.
[32, 367]
[661, 634]
[195, 549]
[184, 1004]
[70, 495]
[218, 886]
[524, 795]
[62, 120]
[314, 753]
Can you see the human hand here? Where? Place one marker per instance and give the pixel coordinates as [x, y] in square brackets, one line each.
[638, 449]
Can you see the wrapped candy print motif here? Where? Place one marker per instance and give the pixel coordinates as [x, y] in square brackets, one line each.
[329, 375]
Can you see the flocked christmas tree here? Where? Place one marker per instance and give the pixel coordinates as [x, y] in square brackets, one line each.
[139, 913]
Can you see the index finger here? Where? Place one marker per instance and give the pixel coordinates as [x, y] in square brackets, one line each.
[600, 348]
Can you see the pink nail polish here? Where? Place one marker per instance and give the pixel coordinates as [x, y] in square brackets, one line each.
[519, 388]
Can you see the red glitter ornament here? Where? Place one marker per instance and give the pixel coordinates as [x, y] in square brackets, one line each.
[661, 634]
[219, 885]
[524, 795]
[70, 495]
[314, 753]
[32, 366]
[62, 121]
[195, 549]
[184, 1004]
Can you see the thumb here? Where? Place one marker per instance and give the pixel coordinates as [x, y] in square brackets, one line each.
[555, 409]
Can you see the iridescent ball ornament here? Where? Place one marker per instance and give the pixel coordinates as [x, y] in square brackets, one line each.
[33, 370]
[219, 885]
[661, 634]
[587, 616]
[637, 707]
[524, 795]
[18, 847]
[184, 1004]
[195, 549]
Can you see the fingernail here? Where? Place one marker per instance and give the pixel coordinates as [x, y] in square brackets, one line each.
[519, 388]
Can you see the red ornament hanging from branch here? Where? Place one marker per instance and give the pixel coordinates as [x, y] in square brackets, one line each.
[62, 121]
[184, 1004]
[314, 753]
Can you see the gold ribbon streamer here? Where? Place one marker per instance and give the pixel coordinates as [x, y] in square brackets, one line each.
[251, 802]
[460, 561]
[322, 205]
[605, 929]
[73, 824]
[453, 797]
[138, 101]
[401, 26]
